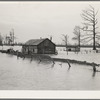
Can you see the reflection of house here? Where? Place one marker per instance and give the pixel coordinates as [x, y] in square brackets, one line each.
[40, 46]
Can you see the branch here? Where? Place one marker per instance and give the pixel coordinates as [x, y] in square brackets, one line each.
[92, 11]
[85, 42]
[88, 34]
[91, 7]
[97, 32]
[97, 37]
[96, 12]
[87, 24]
[87, 17]
[75, 38]
[97, 43]
[96, 21]
[76, 33]
[66, 39]
[88, 13]
[96, 27]
[88, 30]
[88, 40]
[85, 38]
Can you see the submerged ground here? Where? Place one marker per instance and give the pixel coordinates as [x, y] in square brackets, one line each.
[19, 74]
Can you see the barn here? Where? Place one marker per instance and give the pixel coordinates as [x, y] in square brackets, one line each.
[39, 46]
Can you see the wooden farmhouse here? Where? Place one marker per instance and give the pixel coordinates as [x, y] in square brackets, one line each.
[39, 46]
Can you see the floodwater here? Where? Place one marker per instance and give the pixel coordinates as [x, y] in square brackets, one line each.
[24, 74]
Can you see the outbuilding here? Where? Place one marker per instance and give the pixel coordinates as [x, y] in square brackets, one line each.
[39, 46]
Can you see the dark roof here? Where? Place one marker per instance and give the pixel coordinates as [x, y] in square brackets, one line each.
[34, 41]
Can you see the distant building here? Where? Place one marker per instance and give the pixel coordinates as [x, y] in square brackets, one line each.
[74, 49]
[39, 46]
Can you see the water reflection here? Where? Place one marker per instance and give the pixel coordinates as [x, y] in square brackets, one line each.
[68, 68]
[39, 61]
[94, 73]
[31, 60]
[60, 64]
[52, 66]
[29, 74]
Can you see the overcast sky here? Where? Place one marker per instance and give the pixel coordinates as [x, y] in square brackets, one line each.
[32, 20]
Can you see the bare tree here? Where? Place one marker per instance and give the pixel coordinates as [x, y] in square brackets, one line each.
[12, 36]
[65, 40]
[77, 35]
[90, 21]
[8, 40]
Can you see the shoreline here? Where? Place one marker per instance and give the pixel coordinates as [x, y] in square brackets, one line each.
[47, 57]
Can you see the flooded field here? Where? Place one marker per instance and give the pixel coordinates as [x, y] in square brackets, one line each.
[19, 74]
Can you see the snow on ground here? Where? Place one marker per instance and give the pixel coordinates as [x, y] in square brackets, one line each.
[84, 55]
[19, 48]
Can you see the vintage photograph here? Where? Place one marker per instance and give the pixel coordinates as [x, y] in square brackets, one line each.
[50, 45]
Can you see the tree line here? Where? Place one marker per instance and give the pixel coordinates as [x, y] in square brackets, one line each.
[87, 34]
[8, 39]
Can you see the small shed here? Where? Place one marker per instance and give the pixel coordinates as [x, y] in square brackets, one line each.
[39, 46]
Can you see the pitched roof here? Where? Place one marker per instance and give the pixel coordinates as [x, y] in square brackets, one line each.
[34, 41]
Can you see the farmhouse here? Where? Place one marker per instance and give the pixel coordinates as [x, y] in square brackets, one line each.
[39, 46]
